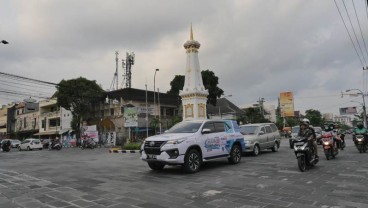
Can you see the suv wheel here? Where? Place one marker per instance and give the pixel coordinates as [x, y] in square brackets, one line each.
[256, 150]
[20, 149]
[275, 147]
[192, 161]
[156, 165]
[28, 148]
[235, 154]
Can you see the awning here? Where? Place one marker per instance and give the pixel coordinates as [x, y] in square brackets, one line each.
[63, 131]
[46, 133]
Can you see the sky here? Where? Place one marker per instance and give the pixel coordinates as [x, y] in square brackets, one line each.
[257, 48]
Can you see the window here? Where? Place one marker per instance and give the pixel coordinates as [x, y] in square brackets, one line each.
[54, 122]
[220, 127]
[111, 111]
[25, 122]
[273, 127]
[268, 129]
[185, 127]
[249, 129]
[210, 126]
[43, 125]
[263, 130]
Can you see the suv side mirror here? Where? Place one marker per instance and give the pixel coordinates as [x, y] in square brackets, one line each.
[261, 132]
[206, 131]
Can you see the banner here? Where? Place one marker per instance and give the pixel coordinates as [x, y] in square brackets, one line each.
[287, 104]
[91, 132]
[130, 117]
[348, 111]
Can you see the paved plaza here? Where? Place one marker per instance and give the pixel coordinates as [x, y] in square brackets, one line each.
[98, 179]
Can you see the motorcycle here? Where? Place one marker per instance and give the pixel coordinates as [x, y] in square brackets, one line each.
[54, 145]
[329, 147]
[360, 143]
[89, 143]
[304, 153]
[6, 145]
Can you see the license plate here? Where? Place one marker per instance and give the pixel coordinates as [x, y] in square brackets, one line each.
[151, 156]
[299, 143]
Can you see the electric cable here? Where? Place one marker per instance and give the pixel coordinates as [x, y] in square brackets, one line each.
[360, 28]
[356, 38]
[347, 30]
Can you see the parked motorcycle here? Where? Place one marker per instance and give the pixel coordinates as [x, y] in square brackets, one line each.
[6, 145]
[360, 143]
[55, 145]
[329, 147]
[304, 153]
[88, 143]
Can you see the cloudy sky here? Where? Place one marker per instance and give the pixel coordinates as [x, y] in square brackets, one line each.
[257, 48]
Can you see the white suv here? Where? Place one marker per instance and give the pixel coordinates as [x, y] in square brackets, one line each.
[189, 143]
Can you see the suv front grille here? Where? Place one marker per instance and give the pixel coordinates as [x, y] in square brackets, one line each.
[153, 148]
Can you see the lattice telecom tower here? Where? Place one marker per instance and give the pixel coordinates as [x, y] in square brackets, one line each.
[130, 57]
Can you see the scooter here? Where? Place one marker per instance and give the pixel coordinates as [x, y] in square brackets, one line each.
[361, 143]
[54, 145]
[304, 153]
[89, 143]
[6, 146]
[329, 147]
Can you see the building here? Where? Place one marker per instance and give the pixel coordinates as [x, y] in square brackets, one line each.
[123, 114]
[3, 121]
[343, 119]
[328, 117]
[26, 119]
[224, 109]
[54, 120]
[193, 95]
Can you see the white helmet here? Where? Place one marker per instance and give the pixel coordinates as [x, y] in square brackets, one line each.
[306, 121]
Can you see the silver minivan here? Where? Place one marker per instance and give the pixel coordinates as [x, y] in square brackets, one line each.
[260, 136]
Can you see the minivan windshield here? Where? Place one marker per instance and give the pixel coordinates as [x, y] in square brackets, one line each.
[185, 127]
[248, 129]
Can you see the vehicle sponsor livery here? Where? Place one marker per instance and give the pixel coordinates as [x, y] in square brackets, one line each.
[189, 143]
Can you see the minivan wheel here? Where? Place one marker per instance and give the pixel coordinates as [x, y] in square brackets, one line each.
[235, 154]
[275, 147]
[256, 150]
[28, 148]
[192, 161]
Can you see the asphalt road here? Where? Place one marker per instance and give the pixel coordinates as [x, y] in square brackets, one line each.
[96, 178]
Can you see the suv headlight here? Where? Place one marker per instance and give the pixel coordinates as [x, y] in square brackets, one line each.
[176, 141]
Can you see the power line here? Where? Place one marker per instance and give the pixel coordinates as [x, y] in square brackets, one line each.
[26, 78]
[356, 38]
[9, 85]
[360, 28]
[21, 93]
[347, 30]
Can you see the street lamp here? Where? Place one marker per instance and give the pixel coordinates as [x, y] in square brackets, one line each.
[220, 106]
[154, 91]
[4, 42]
[364, 111]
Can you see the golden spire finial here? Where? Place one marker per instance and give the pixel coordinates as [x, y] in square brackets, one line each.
[191, 32]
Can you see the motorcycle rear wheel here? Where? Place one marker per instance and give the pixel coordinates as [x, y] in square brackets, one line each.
[301, 164]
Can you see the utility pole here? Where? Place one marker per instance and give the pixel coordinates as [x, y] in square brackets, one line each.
[260, 103]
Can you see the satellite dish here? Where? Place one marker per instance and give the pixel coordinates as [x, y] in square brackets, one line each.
[30, 100]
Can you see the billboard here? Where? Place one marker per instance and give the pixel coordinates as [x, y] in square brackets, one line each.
[131, 116]
[348, 111]
[91, 132]
[287, 104]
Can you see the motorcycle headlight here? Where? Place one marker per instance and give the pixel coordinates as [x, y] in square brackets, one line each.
[360, 139]
[325, 143]
[176, 141]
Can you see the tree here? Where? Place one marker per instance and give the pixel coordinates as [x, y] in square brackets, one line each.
[210, 82]
[253, 115]
[77, 95]
[315, 117]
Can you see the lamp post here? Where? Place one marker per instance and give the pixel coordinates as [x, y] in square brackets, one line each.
[364, 111]
[220, 114]
[4, 42]
[154, 91]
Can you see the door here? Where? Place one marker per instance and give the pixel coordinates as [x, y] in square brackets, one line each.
[270, 137]
[262, 135]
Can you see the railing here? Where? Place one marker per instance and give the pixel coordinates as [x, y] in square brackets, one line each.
[51, 114]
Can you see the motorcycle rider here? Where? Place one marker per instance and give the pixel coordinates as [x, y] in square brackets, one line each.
[360, 130]
[307, 131]
[340, 136]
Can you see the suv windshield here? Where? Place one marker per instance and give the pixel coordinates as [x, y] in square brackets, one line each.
[185, 127]
[248, 129]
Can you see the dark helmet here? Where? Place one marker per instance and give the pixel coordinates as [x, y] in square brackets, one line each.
[360, 125]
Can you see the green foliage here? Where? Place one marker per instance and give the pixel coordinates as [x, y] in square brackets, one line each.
[315, 117]
[210, 82]
[253, 115]
[77, 95]
[132, 146]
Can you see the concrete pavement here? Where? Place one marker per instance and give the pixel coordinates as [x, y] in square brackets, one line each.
[96, 178]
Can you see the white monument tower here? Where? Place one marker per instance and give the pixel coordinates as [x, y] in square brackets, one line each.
[193, 95]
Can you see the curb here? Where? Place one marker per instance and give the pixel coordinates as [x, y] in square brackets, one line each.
[123, 151]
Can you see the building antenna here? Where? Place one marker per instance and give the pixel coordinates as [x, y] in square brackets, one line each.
[130, 58]
[115, 80]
